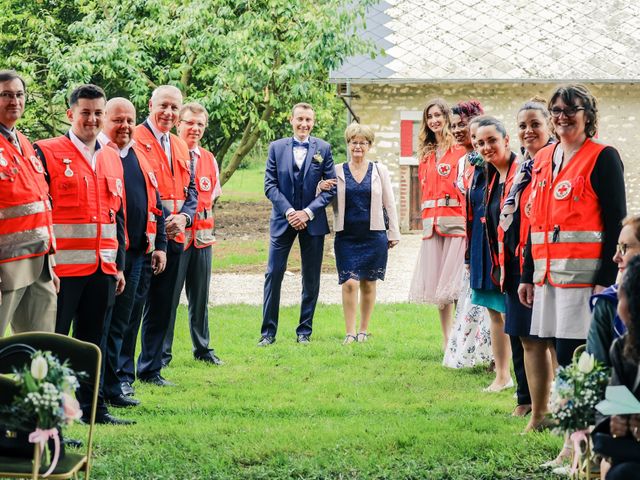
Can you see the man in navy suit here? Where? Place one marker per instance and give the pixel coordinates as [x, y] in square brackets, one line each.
[294, 168]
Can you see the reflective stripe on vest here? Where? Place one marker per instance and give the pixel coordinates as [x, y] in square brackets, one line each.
[84, 230]
[537, 238]
[174, 206]
[25, 243]
[24, 210]
[441, 202]
[76, 257]
[568, 270]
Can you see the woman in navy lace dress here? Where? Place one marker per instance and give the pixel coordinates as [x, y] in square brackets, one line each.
[363, 234]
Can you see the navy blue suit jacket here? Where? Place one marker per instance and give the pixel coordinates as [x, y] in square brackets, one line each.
[279, 184]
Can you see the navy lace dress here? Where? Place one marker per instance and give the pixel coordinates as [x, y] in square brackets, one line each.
[361, 253]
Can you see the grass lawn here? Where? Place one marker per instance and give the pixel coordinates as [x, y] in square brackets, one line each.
[245, 184]
[384, 410]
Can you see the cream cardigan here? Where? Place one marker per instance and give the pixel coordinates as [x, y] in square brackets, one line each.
[381, 194]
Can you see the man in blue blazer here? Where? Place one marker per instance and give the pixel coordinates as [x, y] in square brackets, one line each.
[294, 167]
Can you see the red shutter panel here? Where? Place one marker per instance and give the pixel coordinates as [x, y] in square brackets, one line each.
[406, 138]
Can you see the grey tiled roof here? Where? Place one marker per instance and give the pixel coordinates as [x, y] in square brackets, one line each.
[499, 40]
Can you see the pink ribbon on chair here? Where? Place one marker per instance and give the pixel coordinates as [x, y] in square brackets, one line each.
[577, 437]
[42, 436]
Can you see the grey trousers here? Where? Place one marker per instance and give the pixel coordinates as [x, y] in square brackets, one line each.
[30, 309]
[195, 275]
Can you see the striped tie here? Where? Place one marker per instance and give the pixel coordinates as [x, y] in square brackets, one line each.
[14, 141]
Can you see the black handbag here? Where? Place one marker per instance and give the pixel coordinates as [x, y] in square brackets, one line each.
[14, 442]
[618, 449]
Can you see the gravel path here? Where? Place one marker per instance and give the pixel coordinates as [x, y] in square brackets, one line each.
[247, 288]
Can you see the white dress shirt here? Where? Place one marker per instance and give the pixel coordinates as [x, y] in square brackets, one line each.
[107, 142]
[299, 156]
[166, 144]
[84, 150]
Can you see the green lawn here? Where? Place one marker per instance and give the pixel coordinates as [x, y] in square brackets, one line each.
[245, 185]
[385, 410]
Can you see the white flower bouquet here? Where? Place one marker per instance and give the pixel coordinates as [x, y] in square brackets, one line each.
[577, 389]
[45, 402]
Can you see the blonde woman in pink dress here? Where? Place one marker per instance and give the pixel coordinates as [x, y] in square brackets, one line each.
[437, 278]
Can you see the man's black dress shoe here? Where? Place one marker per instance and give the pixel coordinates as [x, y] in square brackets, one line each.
[105, 418]
[266, 340]
[303, 339]
[211, 358]
[127, 388]
[123, 400]
[158, 381]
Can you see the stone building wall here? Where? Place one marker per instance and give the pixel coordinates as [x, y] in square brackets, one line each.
[381, 106]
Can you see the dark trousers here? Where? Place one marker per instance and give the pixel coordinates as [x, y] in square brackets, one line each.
[85, 302]
[120, 319]
[195, 274]
[127, 363]
[311, 250]
[624, 471]
[565, 348]
[517, 356]
[158, 312]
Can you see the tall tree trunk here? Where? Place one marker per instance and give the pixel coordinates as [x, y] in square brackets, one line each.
[250, 136]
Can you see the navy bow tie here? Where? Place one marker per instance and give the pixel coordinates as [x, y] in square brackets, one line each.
[296, 143]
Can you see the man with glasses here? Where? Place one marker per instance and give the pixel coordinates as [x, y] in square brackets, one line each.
[295, 165]
[195, 263]
[27, 283]
[606, 326]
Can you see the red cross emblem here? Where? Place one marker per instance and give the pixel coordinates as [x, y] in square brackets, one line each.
[562, 190]
[444, 169]
[205, 184]
[37, 164]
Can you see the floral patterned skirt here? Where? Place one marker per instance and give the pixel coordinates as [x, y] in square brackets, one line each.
[470, 338]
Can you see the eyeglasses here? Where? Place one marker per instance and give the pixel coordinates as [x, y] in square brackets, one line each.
[623, 248]
[359, 144]
[12, 95]
[193, 124]
[568, 111]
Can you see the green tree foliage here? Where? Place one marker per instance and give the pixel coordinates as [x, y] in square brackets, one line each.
[247, 61]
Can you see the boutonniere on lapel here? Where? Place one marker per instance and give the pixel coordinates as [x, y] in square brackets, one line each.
[318, 158]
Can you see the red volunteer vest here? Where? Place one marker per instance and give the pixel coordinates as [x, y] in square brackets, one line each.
[84, 207]
[201, 231]
[173, 186]
[26, 224]
[499, 260]
[566, 220]
[151, 184]
[442, 202]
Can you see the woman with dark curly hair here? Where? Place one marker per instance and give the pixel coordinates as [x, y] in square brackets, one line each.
[470, 338]
[576, 207]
